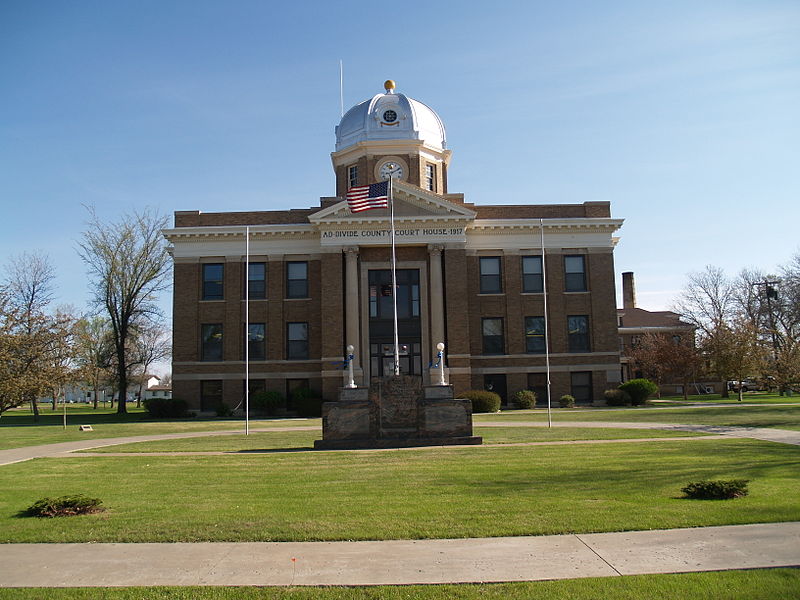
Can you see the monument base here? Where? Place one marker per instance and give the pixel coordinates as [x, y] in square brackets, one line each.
[396, 412]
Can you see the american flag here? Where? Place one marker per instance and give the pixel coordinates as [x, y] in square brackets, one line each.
[364, 197]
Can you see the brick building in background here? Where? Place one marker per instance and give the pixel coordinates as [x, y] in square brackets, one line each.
[469, 276]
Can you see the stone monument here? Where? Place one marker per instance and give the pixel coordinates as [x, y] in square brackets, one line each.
[396, 412]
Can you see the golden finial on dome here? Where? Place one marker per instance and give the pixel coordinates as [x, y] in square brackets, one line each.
[389, 86]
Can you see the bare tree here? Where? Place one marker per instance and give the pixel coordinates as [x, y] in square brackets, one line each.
[151, 344]
[707, 302]
[29, 285]
[128, 261]
[93, 348]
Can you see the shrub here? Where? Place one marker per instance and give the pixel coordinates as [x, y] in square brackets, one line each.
[719, 489]
[268, 402]
[307, 402]
[65, 506]
[639, 390]
[223, 410]
[483, 401]
[525, 399]
[166, 408]
[566, 401]
[617, 397]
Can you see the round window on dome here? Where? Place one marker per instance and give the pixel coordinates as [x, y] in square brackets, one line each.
[389, 116]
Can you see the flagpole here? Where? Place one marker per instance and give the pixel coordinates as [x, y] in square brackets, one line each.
[247, 330]
[394, 283]
[546, 336]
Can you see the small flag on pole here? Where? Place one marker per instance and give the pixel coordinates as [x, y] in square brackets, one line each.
[365, 197]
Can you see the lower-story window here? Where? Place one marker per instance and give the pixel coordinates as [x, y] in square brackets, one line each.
[537, 383]
[581, 386]
[293, 388]
[210, 395]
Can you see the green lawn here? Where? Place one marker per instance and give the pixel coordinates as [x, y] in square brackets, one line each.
[756, 584]
[407, 494]
[747, 398]
[785, 417]
[304, 440]
[17, 428]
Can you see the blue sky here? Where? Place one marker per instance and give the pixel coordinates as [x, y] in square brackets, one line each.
[684, 115]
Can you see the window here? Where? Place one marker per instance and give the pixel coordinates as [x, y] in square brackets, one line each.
[492, 329]
[352, 176]
[256, 386]
[581, 386]
[294, 388]
[574, 274]
[534, 334]
[537, 382]
[257, 280]
[430, 177]
[213, 274]
[257, 341]
[297, 279]
[210, 395]
[296, 341]
[532, 280]
[578, 333]
[491, 270]
[211, 340]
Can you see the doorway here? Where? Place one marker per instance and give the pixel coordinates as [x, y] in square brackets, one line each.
[381, 322]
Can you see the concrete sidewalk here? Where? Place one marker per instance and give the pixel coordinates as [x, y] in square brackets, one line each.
[401, 562]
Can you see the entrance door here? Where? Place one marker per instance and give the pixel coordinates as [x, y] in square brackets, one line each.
[381, 322]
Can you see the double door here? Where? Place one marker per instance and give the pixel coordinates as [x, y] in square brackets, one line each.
[381, 322]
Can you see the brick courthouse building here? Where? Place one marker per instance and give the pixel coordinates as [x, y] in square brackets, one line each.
[469, 276]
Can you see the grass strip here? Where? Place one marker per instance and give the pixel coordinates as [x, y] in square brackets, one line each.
[786, 417]
[304, 440]
[755, 584]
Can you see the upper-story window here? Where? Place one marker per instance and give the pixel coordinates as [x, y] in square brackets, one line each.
[493, 338]
[532, 279]
[211, 342]
[297, 279]
[491, 275]
[430, 177]
[257, 341]
[257, 281]
[213, 275]
[578, 333]
[575, 273]
[296, 341]
[352, 176]
[534, 334]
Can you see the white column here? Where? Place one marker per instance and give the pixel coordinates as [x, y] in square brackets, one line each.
[437, 299]
[351, 302]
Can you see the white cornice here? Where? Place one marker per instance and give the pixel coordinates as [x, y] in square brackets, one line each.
[582, 223]
[294, 230]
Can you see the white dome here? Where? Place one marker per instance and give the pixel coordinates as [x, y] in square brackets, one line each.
[390, 116]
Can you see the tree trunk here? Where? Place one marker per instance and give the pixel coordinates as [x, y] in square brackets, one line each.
[122, 394]
[34, 408]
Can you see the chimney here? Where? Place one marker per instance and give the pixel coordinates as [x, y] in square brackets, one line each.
[628, 290]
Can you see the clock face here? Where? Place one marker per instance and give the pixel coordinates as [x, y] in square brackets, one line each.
[391, 169]
[389, 116]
